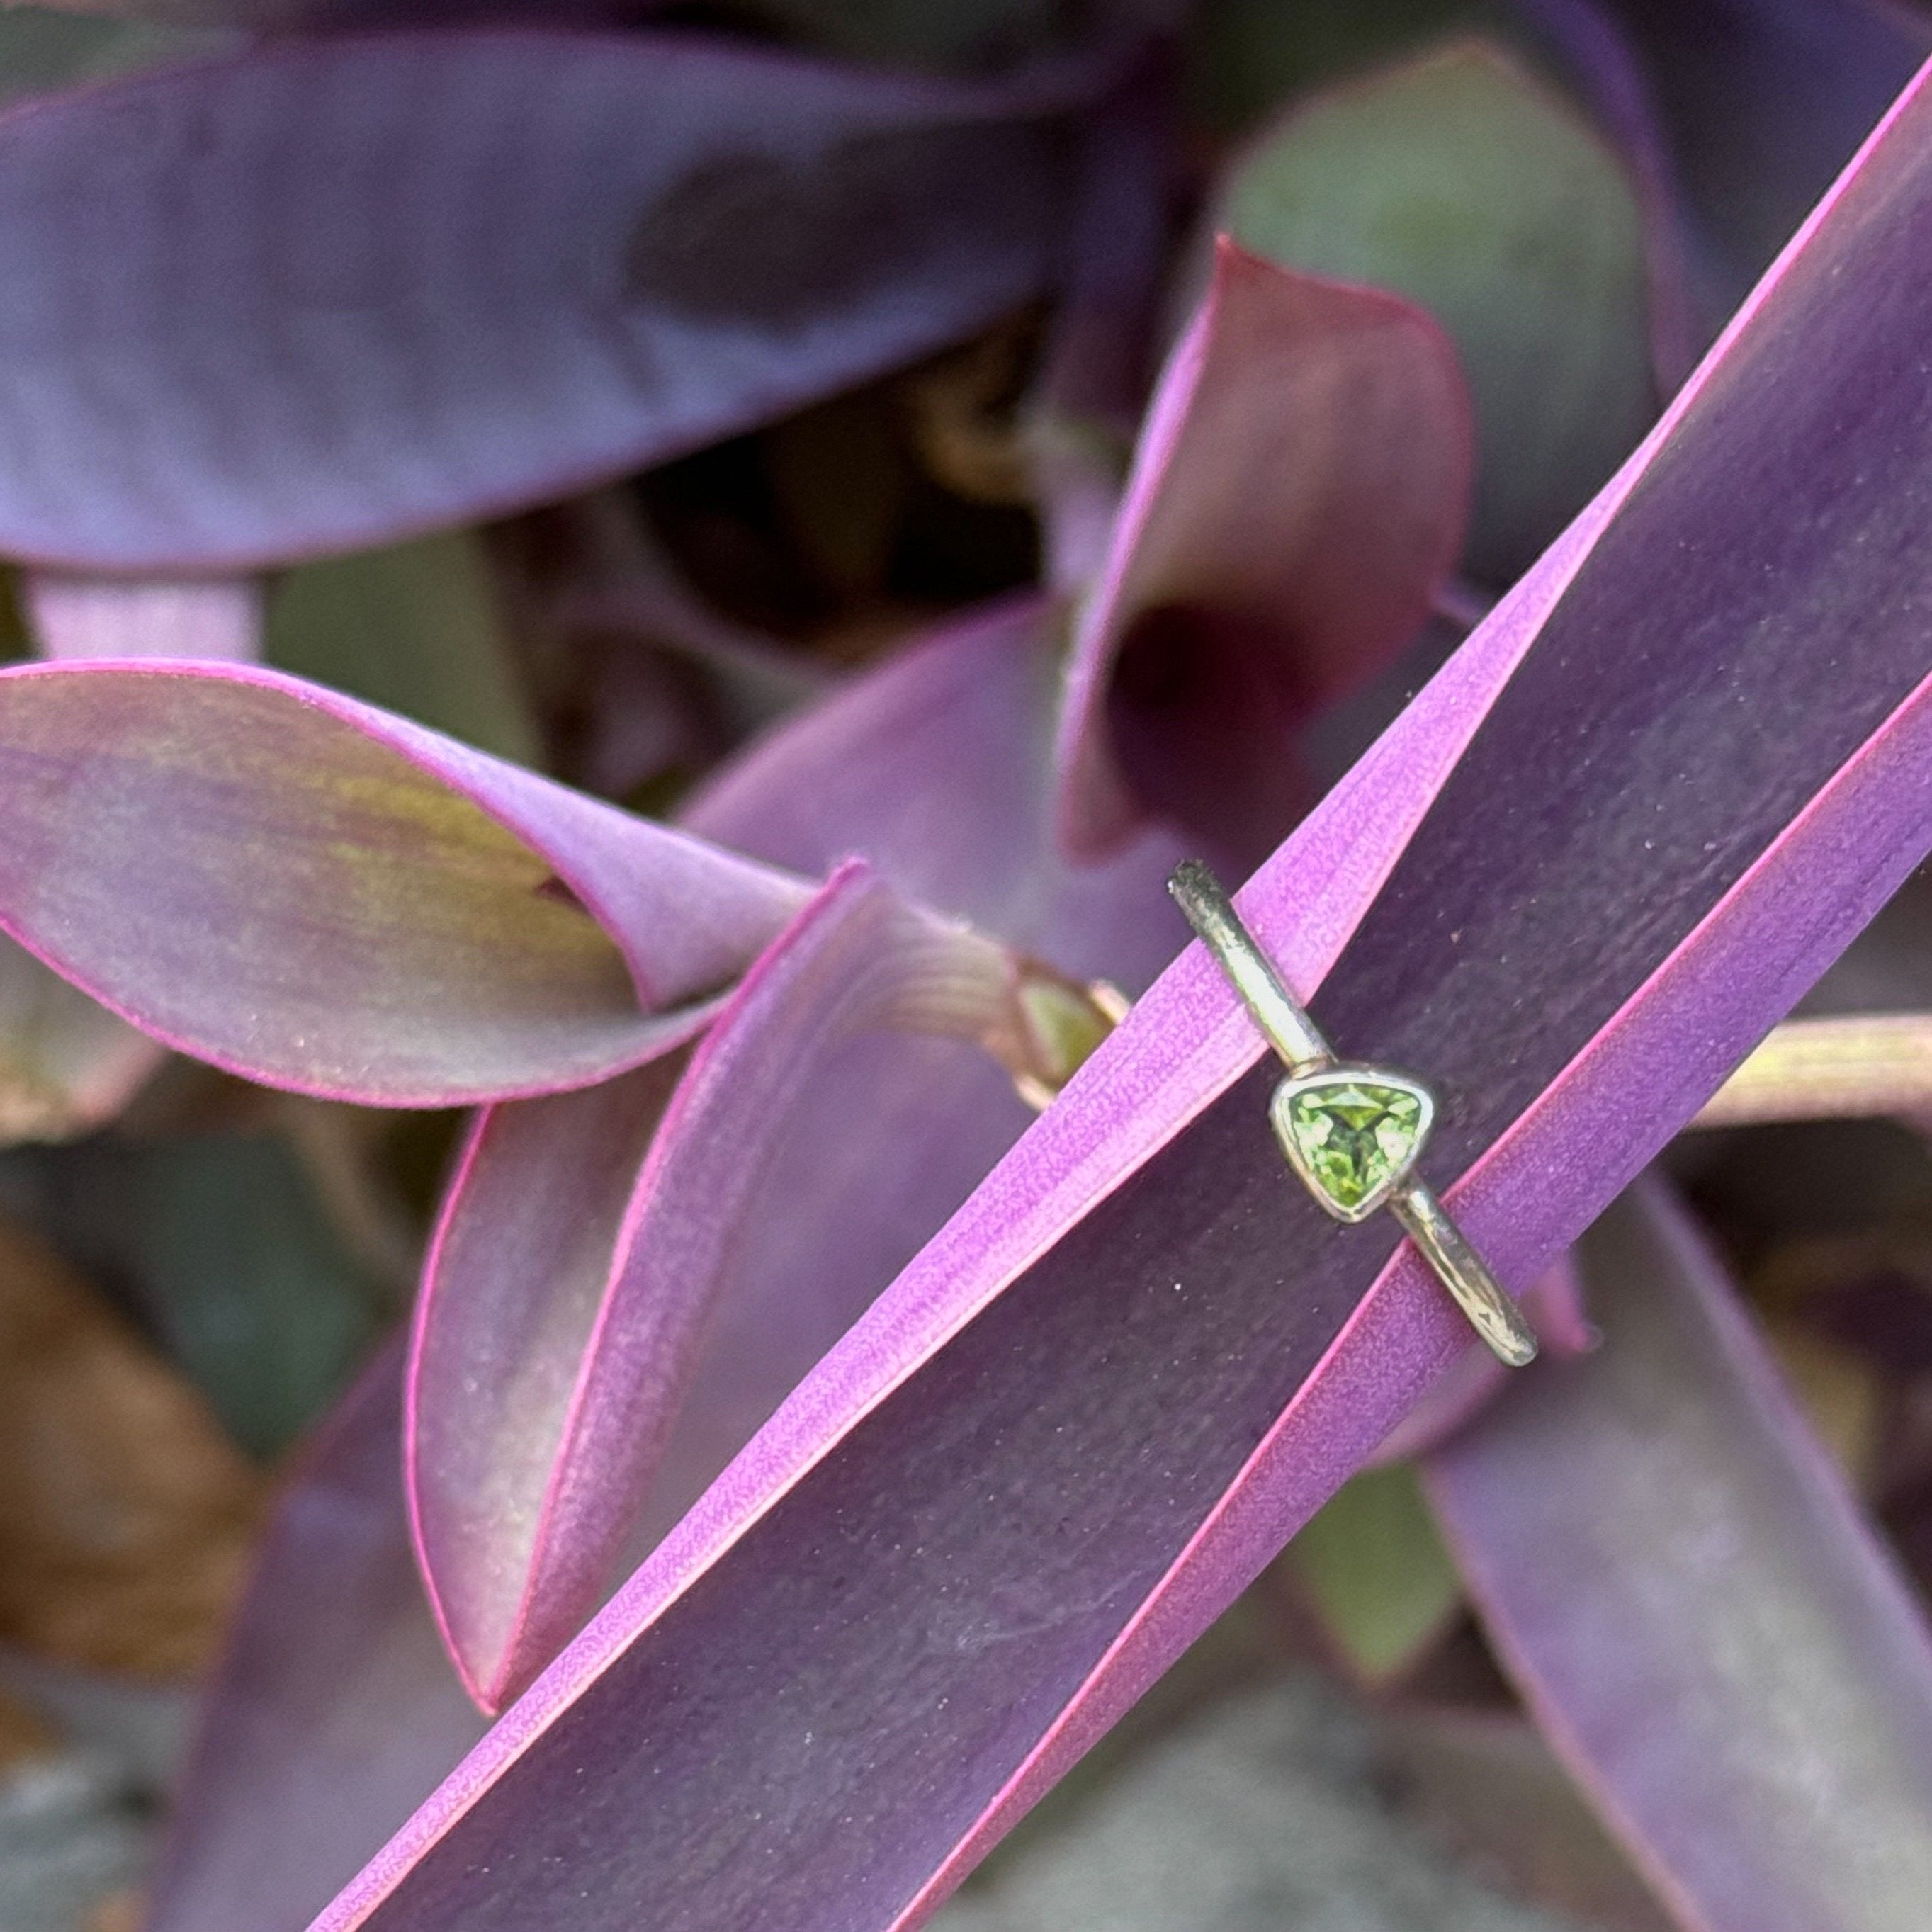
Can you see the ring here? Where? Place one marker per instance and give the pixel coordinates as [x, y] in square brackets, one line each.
[1352, 1133]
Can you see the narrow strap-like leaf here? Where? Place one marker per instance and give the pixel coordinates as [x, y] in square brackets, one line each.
[1702, 1619]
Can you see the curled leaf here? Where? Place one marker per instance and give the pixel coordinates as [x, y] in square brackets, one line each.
[317, 895]
[1298, 496]
[521, 1268]
[848, 1123]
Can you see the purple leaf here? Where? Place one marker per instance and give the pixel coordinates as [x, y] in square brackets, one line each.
[1766, 100]
[334, 1710]
[1186, 1041]
[1299, 495]
[73, 615]
[937, 769]
[595, 1342]
[1139, 1356]
[1703, 1623]
[525, 1254]
[316, 894]
[335, 291]
[1599, 60]
[1344, 836]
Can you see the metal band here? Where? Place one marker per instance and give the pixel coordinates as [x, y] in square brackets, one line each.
[1295, 1037]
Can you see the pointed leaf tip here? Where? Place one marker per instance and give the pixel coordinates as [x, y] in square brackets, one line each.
[1299, 493]
[698, 1237]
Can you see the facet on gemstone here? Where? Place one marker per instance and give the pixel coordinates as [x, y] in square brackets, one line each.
[1351, 1135]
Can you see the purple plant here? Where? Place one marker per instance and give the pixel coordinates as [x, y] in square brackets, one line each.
[800, 1451]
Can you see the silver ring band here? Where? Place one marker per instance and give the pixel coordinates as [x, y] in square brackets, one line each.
[1352, 1132]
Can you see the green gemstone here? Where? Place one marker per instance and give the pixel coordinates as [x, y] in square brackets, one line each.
[1355, 1136]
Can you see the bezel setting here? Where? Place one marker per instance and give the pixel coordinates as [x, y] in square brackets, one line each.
[1315, 1080]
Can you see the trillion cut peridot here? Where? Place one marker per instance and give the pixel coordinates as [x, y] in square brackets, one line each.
[1352, 1136]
